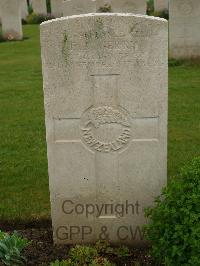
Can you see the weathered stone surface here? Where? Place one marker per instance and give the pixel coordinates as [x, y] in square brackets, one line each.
[39, 6]
[184, 29]
[11, 19]
[56, 8]
[129, 6]
[76, 7]
[161, 5]
[24, 9]
[105, 91]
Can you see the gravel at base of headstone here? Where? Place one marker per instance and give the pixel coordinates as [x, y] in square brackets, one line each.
[105, 91]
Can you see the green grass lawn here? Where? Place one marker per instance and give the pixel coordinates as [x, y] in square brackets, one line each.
[23, 164]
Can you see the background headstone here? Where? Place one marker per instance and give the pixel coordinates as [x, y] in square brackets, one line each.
[184, 28]
[56, 8]
[161, 5]
[24, 9]
[129, 6]
[39, 6]
[105, 89]
[11, 19]
[76, 7]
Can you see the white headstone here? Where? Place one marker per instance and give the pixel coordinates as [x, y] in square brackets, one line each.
[11, 19]
[161, 5]
[56, 8]
[184, 29]
[105, 89]
[129, 6]
[76, 7]
[39, 6]
[24, 9]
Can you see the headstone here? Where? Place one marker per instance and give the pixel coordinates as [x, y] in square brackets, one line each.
[105, 89]
[11, 19]
[161, 5]
[184, 29]
[129, 6]
[24, 9]
[76, 7]
[56, 8]
[39, 6]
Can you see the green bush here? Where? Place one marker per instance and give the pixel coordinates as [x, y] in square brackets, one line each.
[174, 227]
[150, 7]
[100, 261]
[91, 255]
[48, 6]
[104, 248]
[162, 14]
[83, 254]
[30, 9]
[105, 9]
[38, 18]
[2, 235]
[175, 62]
[11, 247]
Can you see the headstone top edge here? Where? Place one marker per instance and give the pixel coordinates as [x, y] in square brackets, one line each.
[103, 15]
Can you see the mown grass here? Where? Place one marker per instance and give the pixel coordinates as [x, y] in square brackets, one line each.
[23, 164]
[184, 114]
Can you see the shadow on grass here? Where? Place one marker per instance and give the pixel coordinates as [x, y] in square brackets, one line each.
[184, 62]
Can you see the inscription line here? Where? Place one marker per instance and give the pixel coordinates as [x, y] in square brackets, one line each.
[104, 75]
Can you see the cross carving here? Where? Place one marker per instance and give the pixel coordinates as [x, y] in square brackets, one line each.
[106, 129]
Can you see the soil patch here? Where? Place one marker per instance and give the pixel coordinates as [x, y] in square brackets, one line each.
[42, 251]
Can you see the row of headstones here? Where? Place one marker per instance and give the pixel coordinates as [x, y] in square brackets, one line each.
[184, 21]
[12, 11]
[73, 7]
[64, 7]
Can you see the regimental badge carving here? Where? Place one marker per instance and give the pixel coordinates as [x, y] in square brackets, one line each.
[106, 129]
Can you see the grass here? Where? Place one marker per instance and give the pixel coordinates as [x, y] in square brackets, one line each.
[184, 115]
[23, 164]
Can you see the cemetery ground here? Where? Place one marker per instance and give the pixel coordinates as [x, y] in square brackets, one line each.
[24, 196]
